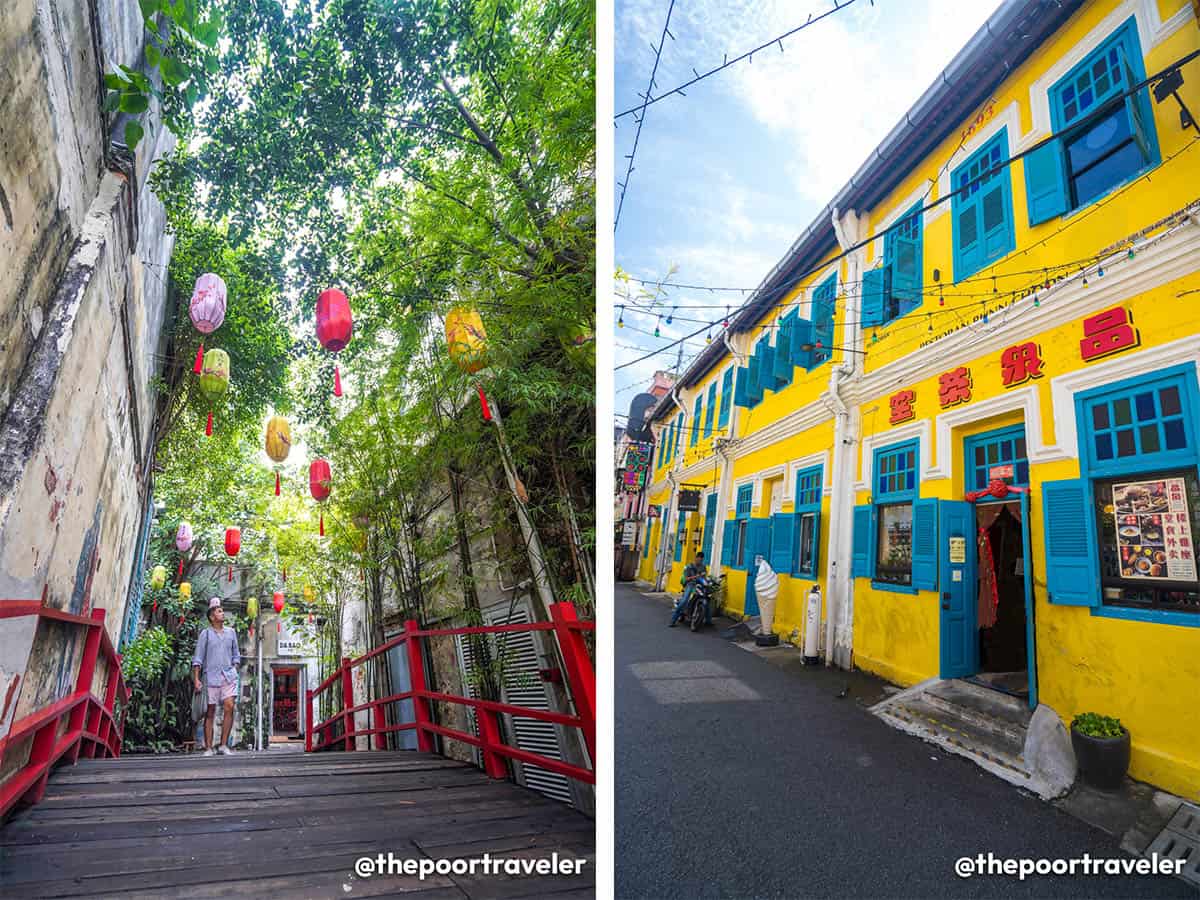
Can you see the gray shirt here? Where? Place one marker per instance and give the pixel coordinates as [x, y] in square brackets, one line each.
[217, 655]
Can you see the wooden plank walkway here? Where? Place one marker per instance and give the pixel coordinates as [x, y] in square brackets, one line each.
[283, 824]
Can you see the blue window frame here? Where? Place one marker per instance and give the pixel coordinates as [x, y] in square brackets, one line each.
[710, 419]
[895, 490]
[726, 398]
[697, 412]
[824, 296]
[984, 452]
[745, 498]
[1122, 538]
[1119, 142]
[981, 209]
[806, 548]
[902, 260]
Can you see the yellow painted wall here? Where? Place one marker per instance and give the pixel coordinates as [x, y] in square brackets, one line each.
[1146, 674]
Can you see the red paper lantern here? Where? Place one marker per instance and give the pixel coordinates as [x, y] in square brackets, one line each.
[278, 599]
[233, 543]
[320, 480]
[335, 326]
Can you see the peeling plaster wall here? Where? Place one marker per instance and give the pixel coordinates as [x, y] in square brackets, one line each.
[82, 314]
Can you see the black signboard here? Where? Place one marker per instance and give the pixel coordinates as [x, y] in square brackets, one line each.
[689, 501]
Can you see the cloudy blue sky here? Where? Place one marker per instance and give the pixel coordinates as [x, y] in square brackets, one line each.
[727, 177]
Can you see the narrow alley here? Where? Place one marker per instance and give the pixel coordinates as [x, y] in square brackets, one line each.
[734, 778]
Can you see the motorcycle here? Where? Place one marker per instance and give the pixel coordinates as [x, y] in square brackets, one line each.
[703, 598]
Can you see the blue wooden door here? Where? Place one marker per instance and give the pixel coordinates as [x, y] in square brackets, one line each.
[959, 588]
[1030, 646]
[758, 543]
[710, 524]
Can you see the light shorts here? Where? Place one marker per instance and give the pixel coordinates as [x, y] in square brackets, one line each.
[220, 692]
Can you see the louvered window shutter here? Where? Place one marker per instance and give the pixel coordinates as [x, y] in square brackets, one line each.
[924, 545]
[1072, 563]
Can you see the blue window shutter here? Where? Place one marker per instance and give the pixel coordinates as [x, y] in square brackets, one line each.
[802, 330]
[924, 545]
[680, 536]
[1072, 563]
[1046, 182]
[697, 414]
[863, 544]
[727, 398]
[783, 354]
[872, 298]
[816, 553]
[728, 539]
[1141, 120]
[754, 391]
[741, 392]
[766, 367]
[996, 217]
[710, 419]
[678, 434]
[783, 538]
[968, 240]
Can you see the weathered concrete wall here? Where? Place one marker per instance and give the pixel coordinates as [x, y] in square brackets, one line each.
[83, 251]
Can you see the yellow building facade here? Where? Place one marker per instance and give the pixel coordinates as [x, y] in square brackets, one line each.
[966, 405]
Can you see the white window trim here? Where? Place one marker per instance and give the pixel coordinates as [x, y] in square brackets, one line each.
[807, 462]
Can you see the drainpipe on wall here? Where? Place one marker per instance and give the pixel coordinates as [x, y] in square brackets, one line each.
[663, 552]
[839, 585]
[725, 478]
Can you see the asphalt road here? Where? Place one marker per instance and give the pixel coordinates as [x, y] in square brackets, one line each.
[735, 778]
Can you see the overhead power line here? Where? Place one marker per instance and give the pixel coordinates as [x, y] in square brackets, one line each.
[641, 120]
[749, 54]
[1104, 109]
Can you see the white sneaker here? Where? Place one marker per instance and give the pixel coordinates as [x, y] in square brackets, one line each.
[226, 750]
[210, 752]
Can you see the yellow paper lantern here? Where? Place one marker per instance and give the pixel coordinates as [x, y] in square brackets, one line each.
[309, 594]
[158, 577]
[185, 590]
[465, 339]
[252, 608]
[279, 438]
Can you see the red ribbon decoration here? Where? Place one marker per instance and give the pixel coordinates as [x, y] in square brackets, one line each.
[276, 484]
[198, 366]
[179, 577]
[483, 404]
[322, 524]
[337, 382]
[208, 427]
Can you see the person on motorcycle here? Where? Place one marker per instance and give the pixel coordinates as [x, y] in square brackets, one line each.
[691, 577]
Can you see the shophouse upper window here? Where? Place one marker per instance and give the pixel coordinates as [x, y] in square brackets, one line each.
[895, 289]
[726, 398]
[982, 208]
[1104, 139]
[710, 419]
[745, 497]
[895, 490]
[1123, 537]
[809, 489]
[697, 411]
[824, 296]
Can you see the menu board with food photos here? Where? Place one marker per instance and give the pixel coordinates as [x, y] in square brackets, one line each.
[1154, 533]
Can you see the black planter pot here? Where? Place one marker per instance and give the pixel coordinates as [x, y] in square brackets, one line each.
[1102, 761]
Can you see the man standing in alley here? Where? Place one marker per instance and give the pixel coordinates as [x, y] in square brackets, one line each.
[217, 657]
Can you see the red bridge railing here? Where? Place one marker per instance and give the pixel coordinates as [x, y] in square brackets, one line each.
[581, 679]
[79, 724]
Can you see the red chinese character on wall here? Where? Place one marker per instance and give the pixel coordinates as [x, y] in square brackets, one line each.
[1108, 332]
[954, 387]
[902, 406]
[1020, 363]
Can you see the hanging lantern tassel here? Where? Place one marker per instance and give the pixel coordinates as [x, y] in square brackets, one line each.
[322, 524]
[310, 618]
[179, 577]
[337, 382]
[154, 607]
[198, 366]
[483, 404]
[276, 484]
[208, 427]
[278, 626]
[251, 632]
[231, 573]
[285, 573]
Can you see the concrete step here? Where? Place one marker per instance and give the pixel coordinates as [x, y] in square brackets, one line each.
[1004, 716]
[988, 744]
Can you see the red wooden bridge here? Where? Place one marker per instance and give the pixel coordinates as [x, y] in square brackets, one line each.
[295, 824]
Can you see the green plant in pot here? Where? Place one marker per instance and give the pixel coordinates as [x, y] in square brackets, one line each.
[1101, 745]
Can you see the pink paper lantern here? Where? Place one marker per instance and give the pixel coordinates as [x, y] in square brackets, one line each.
[183, 537]
[208, 303]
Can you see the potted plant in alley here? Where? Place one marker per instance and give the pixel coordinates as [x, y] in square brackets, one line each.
[1101, 745]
